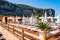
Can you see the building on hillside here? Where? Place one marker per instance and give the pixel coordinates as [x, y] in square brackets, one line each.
[50, 12]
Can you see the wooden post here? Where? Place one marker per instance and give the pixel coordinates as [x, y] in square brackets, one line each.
[8, 26]
[13, 28]
[5, 25]
[14, 19]
[44, 36]
[22, 33]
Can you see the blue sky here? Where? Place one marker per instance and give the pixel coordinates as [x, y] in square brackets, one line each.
[54, 4]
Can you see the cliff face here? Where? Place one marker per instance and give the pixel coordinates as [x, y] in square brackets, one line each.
[7, 8]
[10, 9]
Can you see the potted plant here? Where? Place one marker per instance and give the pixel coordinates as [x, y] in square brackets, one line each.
[44, 27]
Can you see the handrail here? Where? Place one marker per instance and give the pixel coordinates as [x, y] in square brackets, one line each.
[20, 32]
[6, 26]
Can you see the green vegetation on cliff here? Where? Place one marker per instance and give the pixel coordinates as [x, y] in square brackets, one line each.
[8, 8]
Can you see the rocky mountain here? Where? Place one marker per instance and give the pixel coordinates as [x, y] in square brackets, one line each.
[10, 9]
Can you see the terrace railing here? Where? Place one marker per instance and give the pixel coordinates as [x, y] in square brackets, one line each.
[20, 32]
